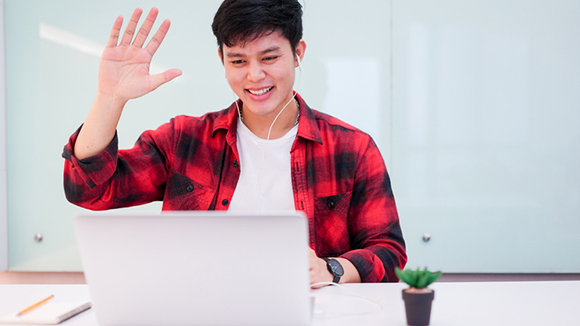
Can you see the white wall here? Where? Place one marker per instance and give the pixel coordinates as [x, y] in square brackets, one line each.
[486, 115]
[475, 106]
[53, 52]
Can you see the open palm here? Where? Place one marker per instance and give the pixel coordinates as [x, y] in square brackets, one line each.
[124, 68]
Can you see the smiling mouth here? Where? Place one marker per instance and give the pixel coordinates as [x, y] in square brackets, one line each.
[261, 91]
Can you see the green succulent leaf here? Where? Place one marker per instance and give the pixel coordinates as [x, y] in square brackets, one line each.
[422, 281]
[399, 273]
[434, 277]
[405, 276]
[419, 278]
[414, 277]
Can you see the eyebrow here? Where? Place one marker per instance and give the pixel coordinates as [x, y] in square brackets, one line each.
[273, 48]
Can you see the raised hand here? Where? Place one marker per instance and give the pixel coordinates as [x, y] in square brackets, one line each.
[123, 75]
[124, 68]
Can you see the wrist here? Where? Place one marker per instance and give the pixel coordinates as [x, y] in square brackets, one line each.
[334, 268]
[351, 273]
[110, 101]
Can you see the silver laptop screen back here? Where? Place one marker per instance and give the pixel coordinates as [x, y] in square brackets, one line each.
[196, 268]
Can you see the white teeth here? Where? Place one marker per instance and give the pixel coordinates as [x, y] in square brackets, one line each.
[260, 92]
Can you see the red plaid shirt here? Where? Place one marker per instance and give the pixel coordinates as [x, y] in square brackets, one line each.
[339, 181]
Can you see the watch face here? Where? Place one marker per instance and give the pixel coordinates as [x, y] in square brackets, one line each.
[336, 267]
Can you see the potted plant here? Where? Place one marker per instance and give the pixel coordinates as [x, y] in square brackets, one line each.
[418, 297]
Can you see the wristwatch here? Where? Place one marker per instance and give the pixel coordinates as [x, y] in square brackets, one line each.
[335, 268]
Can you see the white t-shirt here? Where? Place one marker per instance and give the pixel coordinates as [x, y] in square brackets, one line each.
[265, 181]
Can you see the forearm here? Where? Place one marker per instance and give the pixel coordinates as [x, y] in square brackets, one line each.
[376, 242]
[378, 262]
[319, 270]
[117, 178]
[99, 127]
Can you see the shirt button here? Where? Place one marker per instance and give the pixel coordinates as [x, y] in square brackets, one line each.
[225, 202]
[236, 164]
[331, 204]
[189, 188]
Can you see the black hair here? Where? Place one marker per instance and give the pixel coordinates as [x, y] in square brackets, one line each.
[240, 21]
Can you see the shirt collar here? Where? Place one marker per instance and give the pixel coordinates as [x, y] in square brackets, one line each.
[307, 127]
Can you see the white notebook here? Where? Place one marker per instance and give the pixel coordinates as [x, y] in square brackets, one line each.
[50, 313]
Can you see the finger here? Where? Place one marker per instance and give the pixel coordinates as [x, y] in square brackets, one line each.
[146, 27]
[164, 77]
[156, 40]
[131, 26]
[114, 36]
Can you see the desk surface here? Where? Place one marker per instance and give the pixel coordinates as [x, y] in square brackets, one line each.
[489, 303]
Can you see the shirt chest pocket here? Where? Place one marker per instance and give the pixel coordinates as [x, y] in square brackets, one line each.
[183, 193]
[331, 224]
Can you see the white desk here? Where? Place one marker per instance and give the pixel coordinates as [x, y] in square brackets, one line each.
[488, 303]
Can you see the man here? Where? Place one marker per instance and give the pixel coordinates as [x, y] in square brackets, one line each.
[267, 151]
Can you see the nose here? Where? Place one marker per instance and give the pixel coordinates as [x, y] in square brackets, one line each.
[255, 72]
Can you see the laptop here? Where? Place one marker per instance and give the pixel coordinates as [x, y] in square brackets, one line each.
[196, 268]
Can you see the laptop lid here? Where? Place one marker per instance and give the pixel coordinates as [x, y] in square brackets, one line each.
[196, 268]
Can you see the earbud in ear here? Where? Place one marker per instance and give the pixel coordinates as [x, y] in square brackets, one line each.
[298, 58]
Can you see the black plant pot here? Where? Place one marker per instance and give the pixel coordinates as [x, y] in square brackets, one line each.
[418, 307]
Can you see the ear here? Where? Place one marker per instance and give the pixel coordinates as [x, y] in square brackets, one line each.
[300, 50]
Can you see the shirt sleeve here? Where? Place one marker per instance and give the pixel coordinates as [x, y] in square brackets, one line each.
[373, 223]
[119, 178]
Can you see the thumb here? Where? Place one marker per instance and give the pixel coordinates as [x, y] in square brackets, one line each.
[164, 77]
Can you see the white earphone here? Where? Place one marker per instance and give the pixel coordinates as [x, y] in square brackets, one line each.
[299, 66]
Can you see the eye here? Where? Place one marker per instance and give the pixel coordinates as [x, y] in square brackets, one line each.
[270, 58]
[237, 62]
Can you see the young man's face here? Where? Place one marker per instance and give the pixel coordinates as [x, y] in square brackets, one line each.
[261, 72]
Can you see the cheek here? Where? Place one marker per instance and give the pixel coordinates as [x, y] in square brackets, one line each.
[285, 76]
[234, 78]
[289, 70]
